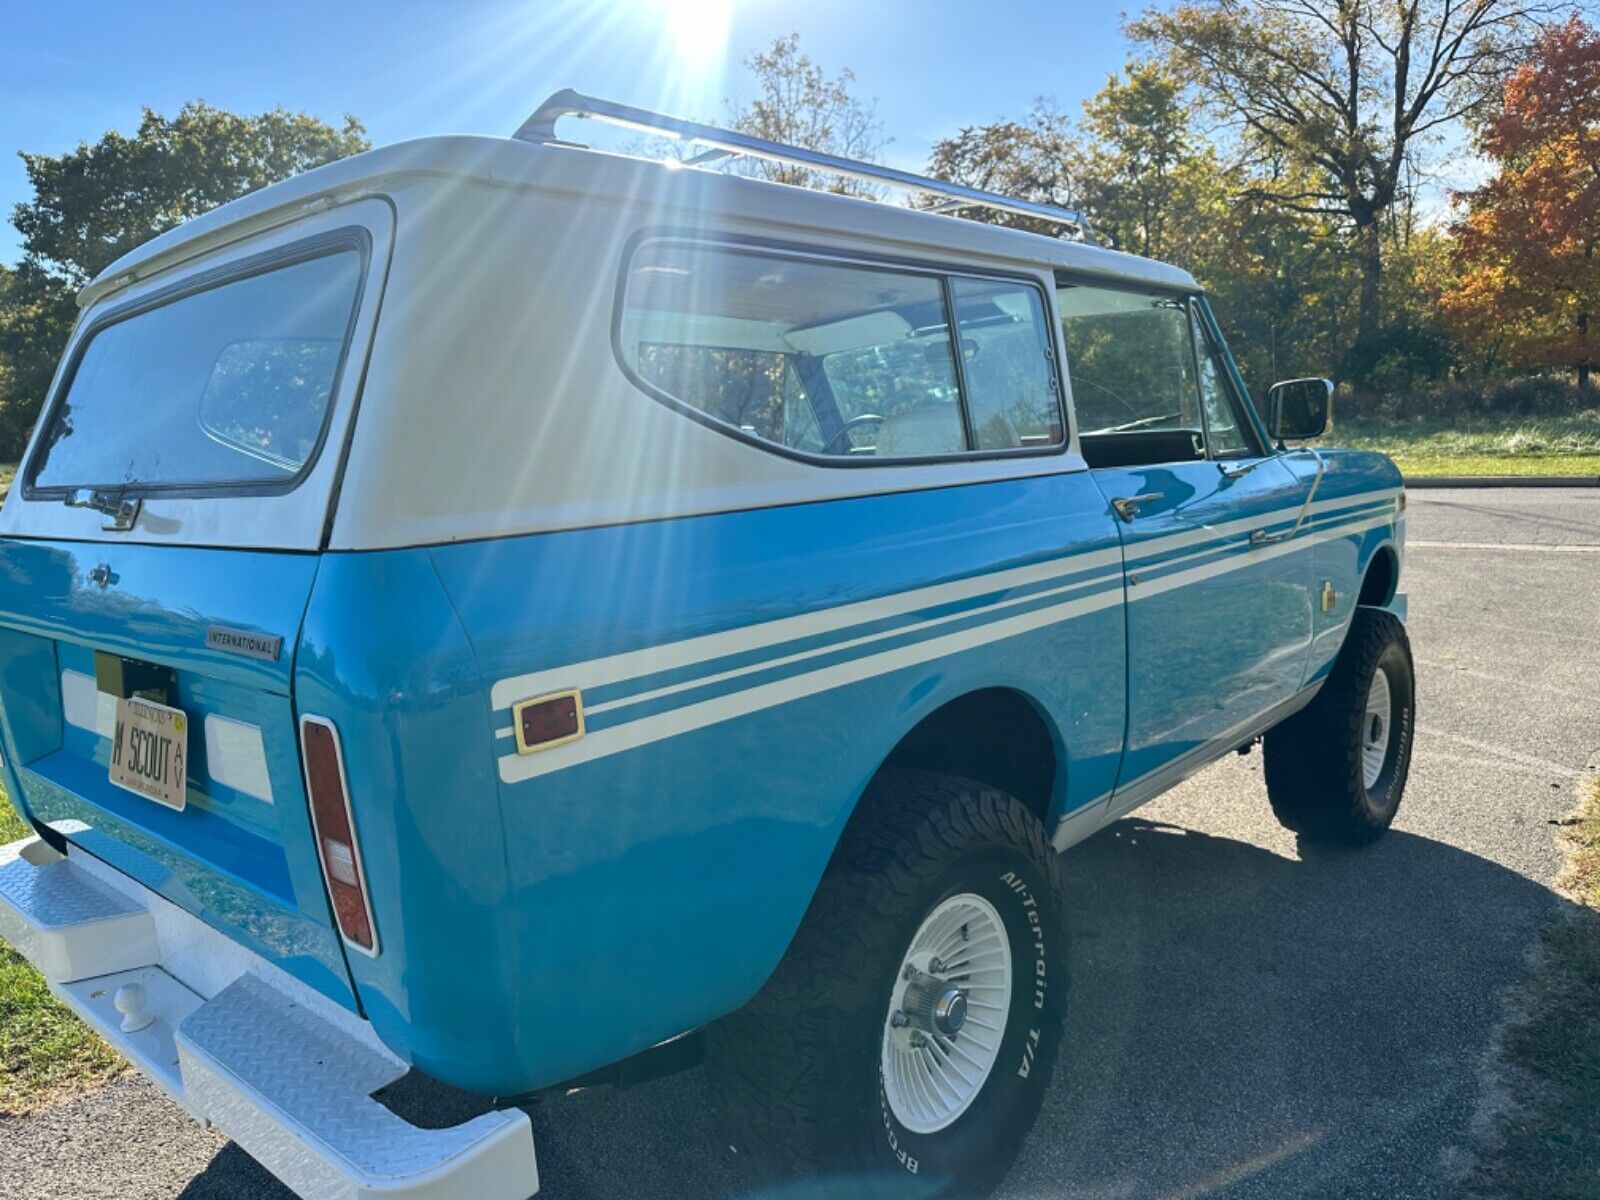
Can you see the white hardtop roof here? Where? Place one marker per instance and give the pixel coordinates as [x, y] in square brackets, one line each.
[600, 175]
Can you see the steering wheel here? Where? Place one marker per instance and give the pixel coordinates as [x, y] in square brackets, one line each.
[840, 437]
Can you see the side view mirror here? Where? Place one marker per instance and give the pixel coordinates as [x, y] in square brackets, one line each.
[1299, 409]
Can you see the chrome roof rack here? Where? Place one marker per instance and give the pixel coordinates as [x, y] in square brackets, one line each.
[727, 143]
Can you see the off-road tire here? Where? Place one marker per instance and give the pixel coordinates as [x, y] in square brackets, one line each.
[796, 1074]
[1313, 760]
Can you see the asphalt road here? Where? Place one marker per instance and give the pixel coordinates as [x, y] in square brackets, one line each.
[1247, 1020]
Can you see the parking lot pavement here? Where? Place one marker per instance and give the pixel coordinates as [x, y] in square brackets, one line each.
[1247, 1019]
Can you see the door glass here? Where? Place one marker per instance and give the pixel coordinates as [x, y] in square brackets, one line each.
[1130, 362]
[1226, 429]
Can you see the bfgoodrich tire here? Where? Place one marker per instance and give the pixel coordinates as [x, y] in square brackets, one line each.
[1337, 769]
[865, 1077]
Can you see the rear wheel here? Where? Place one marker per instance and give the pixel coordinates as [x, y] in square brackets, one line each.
[905, 1042]
[1337, 769]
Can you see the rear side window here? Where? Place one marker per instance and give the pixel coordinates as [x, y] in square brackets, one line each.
[1011, 376]
[839, 360]
[227, 386]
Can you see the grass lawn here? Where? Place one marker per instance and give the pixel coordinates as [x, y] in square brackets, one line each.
[44, 1049]
[1481, 445]
[1547, 1144]
[8, 472]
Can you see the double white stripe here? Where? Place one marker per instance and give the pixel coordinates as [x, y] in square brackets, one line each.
[669, 656]
[655, 727]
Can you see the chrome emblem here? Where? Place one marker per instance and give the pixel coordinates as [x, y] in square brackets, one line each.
[242, 641]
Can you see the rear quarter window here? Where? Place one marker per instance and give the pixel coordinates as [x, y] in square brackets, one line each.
[842, 361]
[226, 385]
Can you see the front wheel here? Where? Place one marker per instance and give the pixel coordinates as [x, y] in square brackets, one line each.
[905, 1042]
[1336, 770]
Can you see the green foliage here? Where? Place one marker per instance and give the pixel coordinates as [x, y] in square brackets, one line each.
[95, 203]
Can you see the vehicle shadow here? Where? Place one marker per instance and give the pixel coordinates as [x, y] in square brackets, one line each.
[1242, 1022]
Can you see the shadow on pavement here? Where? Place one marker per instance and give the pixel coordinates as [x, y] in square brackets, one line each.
[1242, 1023]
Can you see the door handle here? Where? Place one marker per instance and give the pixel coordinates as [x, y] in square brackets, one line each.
[1128, 506]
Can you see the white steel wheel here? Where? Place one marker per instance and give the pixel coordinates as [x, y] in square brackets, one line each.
[947, 1014]
[1375, 729]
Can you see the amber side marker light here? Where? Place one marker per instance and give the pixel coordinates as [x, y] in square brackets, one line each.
[547, 721]
[334, 827]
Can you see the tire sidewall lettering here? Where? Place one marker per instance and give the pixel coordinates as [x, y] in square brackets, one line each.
[1029, 927]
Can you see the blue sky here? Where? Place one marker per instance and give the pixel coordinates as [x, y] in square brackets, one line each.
[69, 71]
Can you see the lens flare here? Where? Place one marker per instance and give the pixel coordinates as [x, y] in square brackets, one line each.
[697, 30]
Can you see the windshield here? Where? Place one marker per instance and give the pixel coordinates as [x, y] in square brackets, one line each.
[221, 387]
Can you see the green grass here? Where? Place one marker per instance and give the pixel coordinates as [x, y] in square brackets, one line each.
[44, 1050]
[8, 472]
[1546, 1143]
[1481, 445]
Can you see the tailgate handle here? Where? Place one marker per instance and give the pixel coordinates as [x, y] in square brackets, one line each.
[120, 514]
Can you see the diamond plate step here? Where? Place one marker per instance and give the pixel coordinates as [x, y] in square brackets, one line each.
[67, 923]
[297, 1094]
[280, 1069]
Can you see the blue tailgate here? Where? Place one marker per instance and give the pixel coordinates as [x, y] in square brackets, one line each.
[241, 854]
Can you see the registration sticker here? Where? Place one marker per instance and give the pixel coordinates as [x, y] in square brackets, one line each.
[150, 753]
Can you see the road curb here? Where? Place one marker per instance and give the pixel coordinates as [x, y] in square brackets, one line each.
[1501, 481]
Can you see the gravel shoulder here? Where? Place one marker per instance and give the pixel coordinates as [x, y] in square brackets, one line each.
[1248, 1019]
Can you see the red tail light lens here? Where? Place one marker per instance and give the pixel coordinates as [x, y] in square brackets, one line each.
[335, 831]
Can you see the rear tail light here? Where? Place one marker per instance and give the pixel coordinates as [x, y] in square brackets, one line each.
[335, 830]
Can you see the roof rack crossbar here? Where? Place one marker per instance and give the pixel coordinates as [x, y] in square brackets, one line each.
[727, 143]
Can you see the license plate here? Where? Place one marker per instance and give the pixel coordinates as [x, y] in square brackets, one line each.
[150, 754]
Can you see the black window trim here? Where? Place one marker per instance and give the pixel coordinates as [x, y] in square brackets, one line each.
[350, 237]
[940, 273]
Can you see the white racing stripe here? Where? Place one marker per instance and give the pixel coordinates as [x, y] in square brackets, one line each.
[1099, 581]
[516, 768]
[668, 656]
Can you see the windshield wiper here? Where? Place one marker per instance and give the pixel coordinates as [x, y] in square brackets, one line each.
[120, 513]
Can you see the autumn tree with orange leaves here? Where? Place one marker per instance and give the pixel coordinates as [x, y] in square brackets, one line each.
[1529, 273]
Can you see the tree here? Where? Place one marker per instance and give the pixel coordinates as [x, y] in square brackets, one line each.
[1352, 93]
[1529, 277]
[1150, 171]
[1152, 183]
[798, 105]
[93, 204]
[1038, 159]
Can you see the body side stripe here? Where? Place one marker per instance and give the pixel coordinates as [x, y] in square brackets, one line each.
[1103, 581]
[689, 652]
[651, 660]
[655, 727]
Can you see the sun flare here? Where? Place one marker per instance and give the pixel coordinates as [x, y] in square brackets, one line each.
[697, 29]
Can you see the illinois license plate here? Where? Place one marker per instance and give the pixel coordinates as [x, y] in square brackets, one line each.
[150, 754]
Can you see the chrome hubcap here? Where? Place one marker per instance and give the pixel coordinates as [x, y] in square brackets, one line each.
[1375, 729]
[947, 1014]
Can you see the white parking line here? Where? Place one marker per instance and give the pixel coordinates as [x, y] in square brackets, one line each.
[1536, 547]
[1508, 755]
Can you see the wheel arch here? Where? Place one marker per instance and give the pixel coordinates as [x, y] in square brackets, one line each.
[998, 735]
[1380, 581]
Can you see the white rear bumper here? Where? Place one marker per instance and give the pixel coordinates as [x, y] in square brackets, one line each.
[280, 1069]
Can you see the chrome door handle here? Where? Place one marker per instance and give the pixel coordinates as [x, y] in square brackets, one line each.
[1128, 506]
